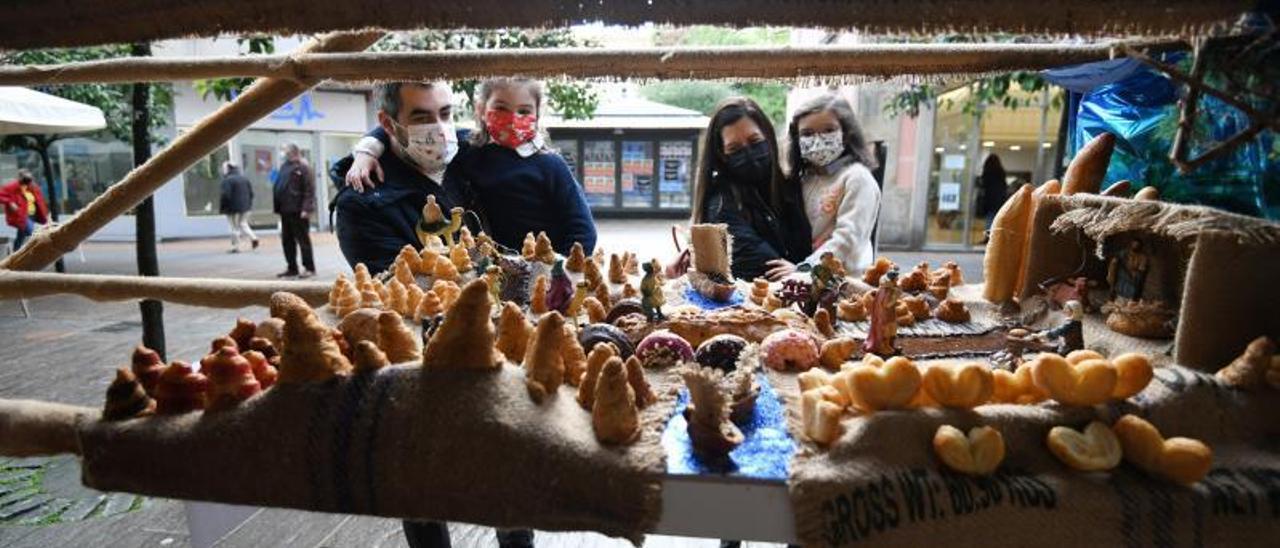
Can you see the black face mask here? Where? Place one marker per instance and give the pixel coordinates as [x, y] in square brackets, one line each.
[753, 164]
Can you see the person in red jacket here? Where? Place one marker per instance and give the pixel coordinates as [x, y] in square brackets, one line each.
[23, 206]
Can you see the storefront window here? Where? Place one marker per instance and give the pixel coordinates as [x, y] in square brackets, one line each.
[599, 171]
[202, 183]
[568, 149]
[637, 174]
[260, 158]
[86, 167]
[674, 173]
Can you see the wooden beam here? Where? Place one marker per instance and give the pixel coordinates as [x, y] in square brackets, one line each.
[259, 100]
[207, 292]
[46, 23]
[876, 60]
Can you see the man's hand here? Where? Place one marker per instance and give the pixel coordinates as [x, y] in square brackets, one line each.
[779, 269]
[363, 166]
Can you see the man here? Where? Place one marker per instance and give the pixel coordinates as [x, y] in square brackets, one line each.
[237, 200]
[376, 220]
[295, 202]
[23, 206]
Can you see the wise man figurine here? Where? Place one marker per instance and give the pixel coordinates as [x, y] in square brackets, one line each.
[884, 317]
[560, 291]
[1069, 336]
[651, 297]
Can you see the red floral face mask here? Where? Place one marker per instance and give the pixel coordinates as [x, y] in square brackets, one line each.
[510, 129]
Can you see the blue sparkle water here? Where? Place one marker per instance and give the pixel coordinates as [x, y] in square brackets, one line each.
[692, 296]
[764, 454]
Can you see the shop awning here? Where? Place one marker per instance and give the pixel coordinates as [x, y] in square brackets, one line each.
[27, 111]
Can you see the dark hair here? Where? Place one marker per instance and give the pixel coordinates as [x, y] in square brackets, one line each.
[711, 157]
[993, 166]
[24, 174]
[388, 95]
[855, 142]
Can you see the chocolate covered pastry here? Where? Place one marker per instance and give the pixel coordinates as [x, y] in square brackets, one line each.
[126, 399]
[231, 378]
[147, 367]
[180, 389]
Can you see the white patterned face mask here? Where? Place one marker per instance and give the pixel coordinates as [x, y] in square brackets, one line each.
[821, 149]
[431, 146]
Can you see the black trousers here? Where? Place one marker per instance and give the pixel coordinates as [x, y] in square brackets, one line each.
[295, 232]
[435, 534]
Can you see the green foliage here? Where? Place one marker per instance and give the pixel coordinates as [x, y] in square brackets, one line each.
[226, 89]
[992, 90]
[115, 100]
[573, 100]
[702, 96]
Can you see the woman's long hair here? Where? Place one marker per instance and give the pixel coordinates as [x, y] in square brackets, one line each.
[855, 142]
[711, 157]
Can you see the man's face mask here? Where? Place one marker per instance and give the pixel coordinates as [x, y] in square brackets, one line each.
[752, 164]
[430, 147]
[821, 149]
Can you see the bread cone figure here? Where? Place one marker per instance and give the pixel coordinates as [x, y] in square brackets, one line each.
[445, 269]
[1089, 167]
[538, 297]
[465, 239]
[180, 389]
[596, 312]
[460, 258]
[427, 260]
[602, 295]
[263, 371]
[575, 359]
[639, 384]
[595, 362]
[591, 275]
[369, 298]
[362, 275]
[397, 340]
[381, 288]
[369, 358]
[1004, 259]
[397, 297]
[529, 247]
[1249, 370]
[231, 379]
[629, 291]
[514, 332]
[346, 298]
[126, 399]
[447, 291]
[598, 257]
[403, 273]
[631, 263]
[577, 258]
[616, 274]
[146, 366]
[413, 299]
[759, 290]
[428, 307]
[337, 285]
[310, 353]
[221, 342]
[614, 416]
[465, 339]
[542, 250]
[544, 361]
[411, 259]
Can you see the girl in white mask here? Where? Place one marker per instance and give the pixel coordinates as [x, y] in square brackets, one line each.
[831, 162]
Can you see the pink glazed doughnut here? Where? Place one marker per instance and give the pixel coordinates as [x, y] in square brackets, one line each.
[789, 349]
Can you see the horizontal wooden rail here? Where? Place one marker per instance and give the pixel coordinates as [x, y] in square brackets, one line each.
[876, 60]
[47, 23]
[207, 292]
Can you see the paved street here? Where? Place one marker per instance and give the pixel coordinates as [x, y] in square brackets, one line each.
[68, 347]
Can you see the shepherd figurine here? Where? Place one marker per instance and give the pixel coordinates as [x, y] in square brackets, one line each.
[651, 298]
[884, 317]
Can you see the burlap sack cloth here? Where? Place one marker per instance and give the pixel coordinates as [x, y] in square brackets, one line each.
[882, 484]
[456, 445]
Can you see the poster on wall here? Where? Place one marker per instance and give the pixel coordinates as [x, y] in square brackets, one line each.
[948, 196]
[674, 160]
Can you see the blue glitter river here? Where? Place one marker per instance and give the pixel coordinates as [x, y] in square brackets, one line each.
[765, 454]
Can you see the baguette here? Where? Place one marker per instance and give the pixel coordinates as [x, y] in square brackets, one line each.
[1004, 256]
[1089, 166]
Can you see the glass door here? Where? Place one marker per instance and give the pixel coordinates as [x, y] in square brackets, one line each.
[260, 158]
[951, 178]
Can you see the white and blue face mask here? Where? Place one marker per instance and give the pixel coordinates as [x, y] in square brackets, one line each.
[820, 149]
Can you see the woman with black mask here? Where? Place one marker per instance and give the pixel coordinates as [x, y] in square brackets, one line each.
[740, 184]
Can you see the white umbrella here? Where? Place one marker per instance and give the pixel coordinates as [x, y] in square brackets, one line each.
[27, 111]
